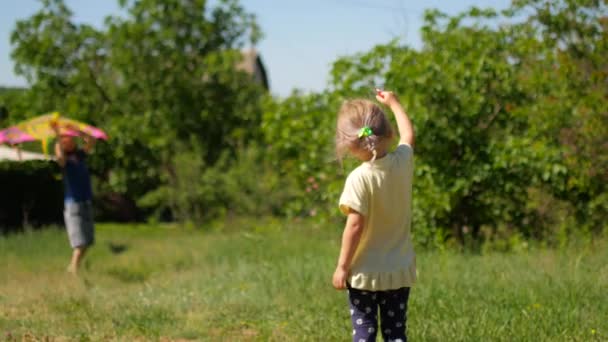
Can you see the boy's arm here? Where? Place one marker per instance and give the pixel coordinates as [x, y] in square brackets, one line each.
[404, 124]
[59, 154]
[350, 240]
[89, 143]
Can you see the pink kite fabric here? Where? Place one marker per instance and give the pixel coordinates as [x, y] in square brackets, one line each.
[92, 131]
[14, 135]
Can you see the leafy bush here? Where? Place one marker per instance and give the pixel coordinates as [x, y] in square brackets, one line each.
[245, 185]
[504, 115]
[511, 119]
[158, 78]
[299, 133]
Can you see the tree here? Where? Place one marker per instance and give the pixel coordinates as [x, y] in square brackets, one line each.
[568, 73]
[472, 162]
[510, 115]
[161, 79]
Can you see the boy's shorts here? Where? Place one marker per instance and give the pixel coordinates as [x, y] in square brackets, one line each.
[78, 218]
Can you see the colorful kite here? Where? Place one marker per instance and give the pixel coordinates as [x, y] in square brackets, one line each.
[41, 128]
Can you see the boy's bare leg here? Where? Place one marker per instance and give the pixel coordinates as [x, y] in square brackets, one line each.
[77, 256]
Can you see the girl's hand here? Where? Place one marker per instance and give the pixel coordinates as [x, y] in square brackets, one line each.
[339, 279]
[387, 98]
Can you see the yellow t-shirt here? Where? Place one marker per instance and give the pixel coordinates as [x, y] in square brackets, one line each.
[382, 192]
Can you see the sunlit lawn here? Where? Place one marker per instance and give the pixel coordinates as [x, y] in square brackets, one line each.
[270, 281]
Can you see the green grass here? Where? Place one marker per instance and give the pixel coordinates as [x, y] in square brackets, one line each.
[271, 281]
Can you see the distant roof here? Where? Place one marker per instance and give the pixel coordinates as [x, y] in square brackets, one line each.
[9, 153]
[252, 64]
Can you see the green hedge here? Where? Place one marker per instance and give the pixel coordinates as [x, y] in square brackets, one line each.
[31, 194]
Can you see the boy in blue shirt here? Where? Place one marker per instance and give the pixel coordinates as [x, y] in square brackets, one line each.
[78, 195]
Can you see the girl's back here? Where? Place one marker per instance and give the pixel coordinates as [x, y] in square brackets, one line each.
[382, 192]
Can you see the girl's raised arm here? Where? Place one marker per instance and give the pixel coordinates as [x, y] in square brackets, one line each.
[406, 129]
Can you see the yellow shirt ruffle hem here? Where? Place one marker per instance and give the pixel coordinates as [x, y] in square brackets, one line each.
[383, 281]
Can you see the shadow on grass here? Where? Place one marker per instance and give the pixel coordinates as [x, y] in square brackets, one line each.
[117, 248]
[129, 275]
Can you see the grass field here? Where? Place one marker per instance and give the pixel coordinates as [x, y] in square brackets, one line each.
[271, 282]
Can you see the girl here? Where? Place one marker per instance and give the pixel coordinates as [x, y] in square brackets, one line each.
[377, 262]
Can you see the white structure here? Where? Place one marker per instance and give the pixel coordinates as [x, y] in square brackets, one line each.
[16, 154]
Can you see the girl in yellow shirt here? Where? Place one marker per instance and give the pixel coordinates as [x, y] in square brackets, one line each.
[377, 263]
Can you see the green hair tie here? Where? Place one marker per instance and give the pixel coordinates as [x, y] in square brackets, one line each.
[365, 132]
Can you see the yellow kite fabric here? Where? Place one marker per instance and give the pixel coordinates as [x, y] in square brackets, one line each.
[41, 128]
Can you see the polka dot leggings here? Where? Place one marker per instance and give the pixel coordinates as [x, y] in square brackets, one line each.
[393, 314]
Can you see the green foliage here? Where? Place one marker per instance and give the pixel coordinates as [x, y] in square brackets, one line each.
[509, 109]
[299, 134]
[569, 113]
[10, 104]
[242, 186]
[474, 160]
[159, 79]
[511, 120]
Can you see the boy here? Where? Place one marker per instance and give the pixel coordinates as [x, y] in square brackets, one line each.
[78, 195]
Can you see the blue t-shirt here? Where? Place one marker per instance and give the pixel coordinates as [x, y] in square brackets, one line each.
[76, 179]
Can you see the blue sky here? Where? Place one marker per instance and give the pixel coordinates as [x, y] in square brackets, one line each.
[302, 37]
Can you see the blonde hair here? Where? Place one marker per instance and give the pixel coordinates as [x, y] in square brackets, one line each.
[354, 115]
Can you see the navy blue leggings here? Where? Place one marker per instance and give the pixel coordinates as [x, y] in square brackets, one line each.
[393, 314]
